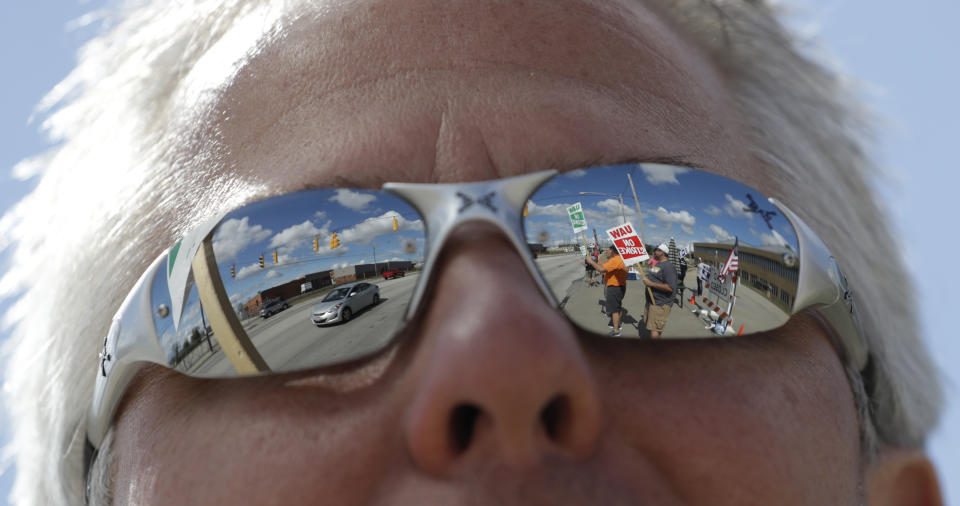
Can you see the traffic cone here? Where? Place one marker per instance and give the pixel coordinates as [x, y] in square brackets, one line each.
[693, 299]
[741, 331]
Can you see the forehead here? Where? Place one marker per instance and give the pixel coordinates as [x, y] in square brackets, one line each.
[363, 92]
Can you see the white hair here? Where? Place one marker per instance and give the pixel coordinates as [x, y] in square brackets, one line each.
[112, 185]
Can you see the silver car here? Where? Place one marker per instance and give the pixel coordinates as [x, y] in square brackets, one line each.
[343, 302]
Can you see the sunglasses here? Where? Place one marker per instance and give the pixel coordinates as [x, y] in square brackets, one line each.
[323, 277]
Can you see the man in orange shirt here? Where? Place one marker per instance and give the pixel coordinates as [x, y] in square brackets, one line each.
[615, 285]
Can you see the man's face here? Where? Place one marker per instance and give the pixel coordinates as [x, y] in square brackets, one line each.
[465, 408]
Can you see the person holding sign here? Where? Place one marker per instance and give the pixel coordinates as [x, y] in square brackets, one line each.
[701, 274]
[662, 281]
[615, 285]
[591, 274]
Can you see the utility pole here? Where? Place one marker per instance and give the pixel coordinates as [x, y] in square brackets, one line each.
[643, 239]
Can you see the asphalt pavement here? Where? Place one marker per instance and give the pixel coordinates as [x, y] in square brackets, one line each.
[299, 343]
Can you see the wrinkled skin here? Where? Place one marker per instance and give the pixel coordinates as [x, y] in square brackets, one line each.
[440, 91]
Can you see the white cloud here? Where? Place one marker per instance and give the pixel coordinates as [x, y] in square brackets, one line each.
[613, 213]
[282, 259]
[662, 174]
[353, 200]
[298, 235]
[576, 173]
[319, 215]
[273, 273]
[736, 208]
[549, 232]
[370, 228]
[612, 206]
[234, 235]
[607, 215]
[248, 271]
[773, 239]
[601, 216]
[556, 210]
[720, 235]
[713, 211]
[683, 218]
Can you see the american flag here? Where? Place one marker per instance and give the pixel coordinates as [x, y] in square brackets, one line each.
[733, 261]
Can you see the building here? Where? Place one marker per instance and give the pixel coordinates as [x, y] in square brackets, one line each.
[364, 271]
[761, 268]
[286, 291]
[344, 275]
[315, 281]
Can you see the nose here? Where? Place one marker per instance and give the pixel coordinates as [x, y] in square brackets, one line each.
[500, 372]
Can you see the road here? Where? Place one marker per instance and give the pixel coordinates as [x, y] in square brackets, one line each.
[296, 343]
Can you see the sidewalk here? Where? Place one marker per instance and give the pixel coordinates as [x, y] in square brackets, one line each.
[584, 305]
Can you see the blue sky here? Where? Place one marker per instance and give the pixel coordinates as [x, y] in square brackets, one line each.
[362, 219]
[902, 53]
[675, 202]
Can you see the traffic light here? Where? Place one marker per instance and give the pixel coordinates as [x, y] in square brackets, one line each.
[395, 225]
[316, 244]
[334, 241]
[233, 271]
[261, 261]
[524, 210]
[275, 257]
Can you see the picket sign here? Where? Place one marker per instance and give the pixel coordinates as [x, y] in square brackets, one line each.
[704, 272]
[628, 244]
[577, 219]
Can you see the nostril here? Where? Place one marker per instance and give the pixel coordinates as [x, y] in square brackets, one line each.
[462, 422]
[555, 417]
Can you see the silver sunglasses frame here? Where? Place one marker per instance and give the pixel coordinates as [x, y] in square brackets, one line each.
[132, 341]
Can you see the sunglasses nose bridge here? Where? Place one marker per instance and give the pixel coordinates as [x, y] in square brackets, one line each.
[446, 207]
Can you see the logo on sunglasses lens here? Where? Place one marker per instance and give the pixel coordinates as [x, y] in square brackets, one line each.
[485, 200]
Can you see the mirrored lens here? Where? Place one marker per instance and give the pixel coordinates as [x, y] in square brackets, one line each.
[294, 282]
[730, 262]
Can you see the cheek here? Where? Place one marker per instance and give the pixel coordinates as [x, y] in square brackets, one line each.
[202, 442]
[728, 425]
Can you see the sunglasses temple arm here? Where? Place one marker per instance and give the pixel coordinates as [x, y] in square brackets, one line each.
[126, 349]
[821, 284]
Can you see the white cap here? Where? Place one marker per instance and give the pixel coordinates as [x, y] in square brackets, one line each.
[664, 248]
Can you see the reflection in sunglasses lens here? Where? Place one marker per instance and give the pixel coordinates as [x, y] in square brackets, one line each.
[299, 281]
[694, 254]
